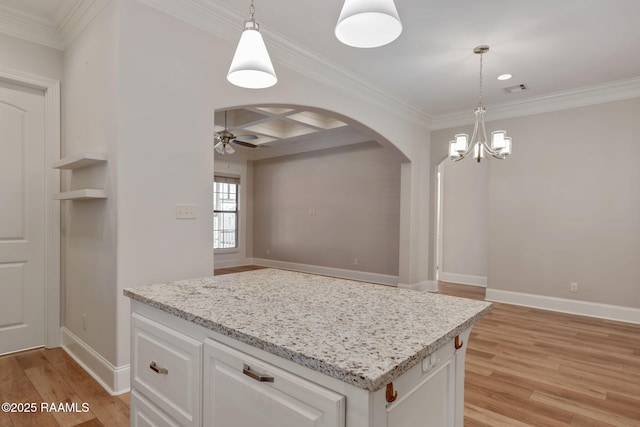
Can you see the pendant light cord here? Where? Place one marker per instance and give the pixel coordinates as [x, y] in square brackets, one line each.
[252, 11]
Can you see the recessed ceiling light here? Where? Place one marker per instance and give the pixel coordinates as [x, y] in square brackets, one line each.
[504, 76]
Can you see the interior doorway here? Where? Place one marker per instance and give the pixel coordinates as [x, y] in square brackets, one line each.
[30, 219]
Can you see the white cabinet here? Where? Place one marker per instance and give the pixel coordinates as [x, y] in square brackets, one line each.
[242, 391]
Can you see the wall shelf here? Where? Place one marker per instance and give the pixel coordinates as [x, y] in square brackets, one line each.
[81, 160]
[85, 194]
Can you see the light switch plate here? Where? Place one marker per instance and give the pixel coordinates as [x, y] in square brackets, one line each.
[186, 211]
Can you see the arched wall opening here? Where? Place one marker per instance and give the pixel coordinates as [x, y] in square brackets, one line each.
[320, 193]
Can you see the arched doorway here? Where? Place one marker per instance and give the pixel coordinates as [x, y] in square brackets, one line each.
[315, 191]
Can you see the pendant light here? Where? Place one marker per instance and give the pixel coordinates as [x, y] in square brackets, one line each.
[500, 144]
[368, 23]
[251, 67]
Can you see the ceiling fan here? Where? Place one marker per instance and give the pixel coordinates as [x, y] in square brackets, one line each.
[225, 138]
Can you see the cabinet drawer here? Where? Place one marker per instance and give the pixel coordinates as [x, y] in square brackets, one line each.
[243, 391]
[145, 414]
[166, 368]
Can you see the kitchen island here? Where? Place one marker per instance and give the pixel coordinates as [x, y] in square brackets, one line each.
[280, 348]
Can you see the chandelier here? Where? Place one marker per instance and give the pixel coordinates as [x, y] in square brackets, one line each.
[500, 144]
[251, 66]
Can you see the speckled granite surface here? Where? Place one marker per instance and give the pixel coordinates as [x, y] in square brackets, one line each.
[364, 334]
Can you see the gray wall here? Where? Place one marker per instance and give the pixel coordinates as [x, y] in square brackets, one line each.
[565, 207]
[354, 192]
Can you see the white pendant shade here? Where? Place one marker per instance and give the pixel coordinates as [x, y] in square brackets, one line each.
[251, 66]
[368, 23]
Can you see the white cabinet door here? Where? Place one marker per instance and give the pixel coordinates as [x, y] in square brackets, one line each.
[431, 403]
[166, 369]
[242, 391]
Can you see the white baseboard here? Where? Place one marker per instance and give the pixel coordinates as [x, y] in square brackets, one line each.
[363, 276]
[583, 308]
[463, 279]
[114, 379]
[425, 286]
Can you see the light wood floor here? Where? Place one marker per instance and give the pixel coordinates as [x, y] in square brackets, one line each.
[525, 367]
[529, 367]
[51, 376]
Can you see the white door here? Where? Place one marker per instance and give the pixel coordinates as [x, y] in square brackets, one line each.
[22, 217]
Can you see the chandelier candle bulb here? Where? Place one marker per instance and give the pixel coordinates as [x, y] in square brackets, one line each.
[497, 139]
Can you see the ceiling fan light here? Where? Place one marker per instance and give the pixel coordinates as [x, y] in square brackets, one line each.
[229, 149]
[251, 66]
[368, 23]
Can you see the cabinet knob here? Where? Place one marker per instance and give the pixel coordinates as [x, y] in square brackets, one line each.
[154, 367]
[252, 374]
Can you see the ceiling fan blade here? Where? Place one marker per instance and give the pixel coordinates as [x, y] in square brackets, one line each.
[245, 137]
[244, 144]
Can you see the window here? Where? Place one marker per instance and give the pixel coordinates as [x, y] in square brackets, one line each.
[225, 212]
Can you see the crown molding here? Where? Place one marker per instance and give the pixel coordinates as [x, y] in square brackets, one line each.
[574, 98]
[29, 27]
[78, 18]
[39, 30]
[226, 24]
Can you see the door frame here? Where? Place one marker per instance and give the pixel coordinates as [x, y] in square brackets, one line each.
[439, 219]
[51, 90]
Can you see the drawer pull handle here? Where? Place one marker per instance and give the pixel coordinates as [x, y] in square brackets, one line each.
[157, 370]
[261, 378]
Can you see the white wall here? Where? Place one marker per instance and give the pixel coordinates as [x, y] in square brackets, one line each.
[22, 55]
[89, 227]
[565, 207]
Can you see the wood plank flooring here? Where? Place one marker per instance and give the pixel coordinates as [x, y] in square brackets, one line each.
[530, 367]
[525, 367]
[53, 377]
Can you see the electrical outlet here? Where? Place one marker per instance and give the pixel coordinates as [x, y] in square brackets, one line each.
[355, 261]
[84, 322]
[573, 287]
[186, 212]
[268, 252]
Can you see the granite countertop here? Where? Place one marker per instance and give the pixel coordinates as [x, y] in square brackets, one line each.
[361, 333]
